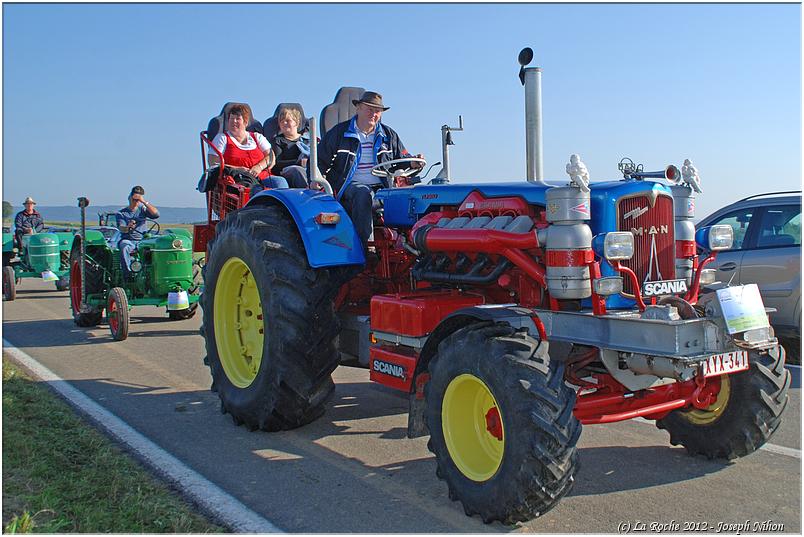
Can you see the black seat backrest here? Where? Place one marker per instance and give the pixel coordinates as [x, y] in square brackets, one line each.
[341, 108]
[218, 123]
[271, 125]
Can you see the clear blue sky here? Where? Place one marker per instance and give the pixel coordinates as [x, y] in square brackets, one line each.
[100, 97]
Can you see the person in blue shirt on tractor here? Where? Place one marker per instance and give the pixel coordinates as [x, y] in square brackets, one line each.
[131, 221]
[349, 151]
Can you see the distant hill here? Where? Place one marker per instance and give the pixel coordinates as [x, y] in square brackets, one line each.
[167, 215]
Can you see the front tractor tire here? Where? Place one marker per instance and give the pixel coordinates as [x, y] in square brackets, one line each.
[746, 413]
[117, 313]
[269, 322]
[9, 283]
[90, 315]
[501, 423]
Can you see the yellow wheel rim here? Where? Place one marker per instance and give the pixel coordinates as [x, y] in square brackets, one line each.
[473, 427]
[711, 413]
[239, 329]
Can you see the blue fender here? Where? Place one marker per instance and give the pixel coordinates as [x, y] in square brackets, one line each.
[326, 245]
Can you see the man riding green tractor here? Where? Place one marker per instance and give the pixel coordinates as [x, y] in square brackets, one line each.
[143, 266]
[34, 251]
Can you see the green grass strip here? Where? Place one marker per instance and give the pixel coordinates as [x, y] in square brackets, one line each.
[60, 475]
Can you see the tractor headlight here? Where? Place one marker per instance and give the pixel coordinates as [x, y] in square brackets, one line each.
[715, 238]
[614, 246]
[136, 266]
[177, 243]
[708, 276]
[611, 285]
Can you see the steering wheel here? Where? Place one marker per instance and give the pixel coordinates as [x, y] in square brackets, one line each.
[384, 168]
[154, 226]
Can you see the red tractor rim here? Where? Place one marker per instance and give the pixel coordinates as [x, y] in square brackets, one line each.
[114, 321]
[75, 287]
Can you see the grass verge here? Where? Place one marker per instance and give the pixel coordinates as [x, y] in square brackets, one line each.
[60, 475]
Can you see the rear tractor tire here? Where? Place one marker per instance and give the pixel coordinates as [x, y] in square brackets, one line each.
[117, 313]
[501, 423]
[746, 413]
[9, 283]
[269, 322]
[90, 316]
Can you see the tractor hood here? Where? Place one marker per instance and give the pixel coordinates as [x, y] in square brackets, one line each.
[405, 206]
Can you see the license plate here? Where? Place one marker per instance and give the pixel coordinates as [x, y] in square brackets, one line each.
[729, 362]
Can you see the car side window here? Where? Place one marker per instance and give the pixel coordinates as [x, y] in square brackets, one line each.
[780, 226]
[739, 221]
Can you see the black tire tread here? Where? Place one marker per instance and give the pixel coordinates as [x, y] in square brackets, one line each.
[9, 283]
[757, 401]
[541, 458]
[93, 279]
[302, 324]
[118, 294]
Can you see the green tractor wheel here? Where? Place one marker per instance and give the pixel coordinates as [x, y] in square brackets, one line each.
[90, 316]
[747, 411]
[269, 322]
[195, 289]
[63, 283]
[501, 423]
[117, 313]
[9, 283]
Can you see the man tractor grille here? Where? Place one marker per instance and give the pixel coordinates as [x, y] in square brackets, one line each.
[650, 219]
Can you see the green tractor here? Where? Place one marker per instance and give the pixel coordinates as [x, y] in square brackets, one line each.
[164, 275]
[40, 255]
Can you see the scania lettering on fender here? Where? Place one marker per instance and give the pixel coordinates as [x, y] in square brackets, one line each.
[664, 287]
[387, 368]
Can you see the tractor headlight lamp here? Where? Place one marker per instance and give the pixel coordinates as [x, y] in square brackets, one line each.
[708, 276]
[136, 266]
[610, 285]
[715, 238]
[177, 243]
[614, 246]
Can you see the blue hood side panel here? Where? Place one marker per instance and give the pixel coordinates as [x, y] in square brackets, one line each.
[326, 245]
[404, 206]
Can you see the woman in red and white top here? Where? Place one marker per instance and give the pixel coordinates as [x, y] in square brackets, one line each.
[247, 151]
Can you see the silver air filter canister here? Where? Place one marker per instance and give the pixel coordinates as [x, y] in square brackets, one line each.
[567, 243]
[684, 209]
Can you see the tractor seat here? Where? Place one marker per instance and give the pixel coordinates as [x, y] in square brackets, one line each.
[271, 126]
[215, 126]
[218, 123]
[341, 108]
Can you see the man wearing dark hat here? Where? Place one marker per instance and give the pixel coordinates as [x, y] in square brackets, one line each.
[27, 221]
[350, 149]
[131, 223]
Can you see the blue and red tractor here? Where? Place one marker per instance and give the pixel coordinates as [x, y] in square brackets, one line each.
[509, 313]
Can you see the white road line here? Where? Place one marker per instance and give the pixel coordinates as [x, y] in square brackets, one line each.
[223, 506]
[773, 448]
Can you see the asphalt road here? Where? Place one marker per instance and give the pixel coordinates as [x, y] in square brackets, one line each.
[353, 470]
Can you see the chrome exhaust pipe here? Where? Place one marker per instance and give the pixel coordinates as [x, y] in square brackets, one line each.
[531, 78]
